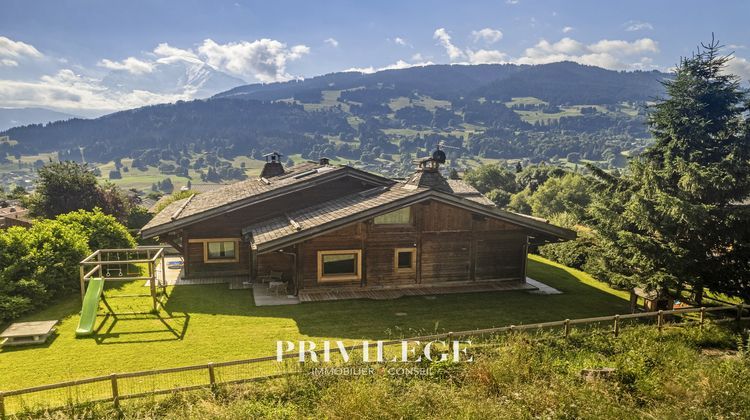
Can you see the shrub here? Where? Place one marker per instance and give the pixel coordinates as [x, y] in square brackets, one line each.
[40, 263]
[101, 230]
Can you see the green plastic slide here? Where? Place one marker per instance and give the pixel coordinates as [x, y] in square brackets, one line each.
[90, 307]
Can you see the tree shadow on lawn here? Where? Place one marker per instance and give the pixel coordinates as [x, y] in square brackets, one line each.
[412, 315]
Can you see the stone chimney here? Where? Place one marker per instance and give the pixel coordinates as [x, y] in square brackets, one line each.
[427, 175]
[273, 166]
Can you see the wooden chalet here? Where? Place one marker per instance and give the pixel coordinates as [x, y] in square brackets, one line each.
[334, 226]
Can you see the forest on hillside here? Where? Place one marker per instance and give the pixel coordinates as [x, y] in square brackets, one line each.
[381, 120]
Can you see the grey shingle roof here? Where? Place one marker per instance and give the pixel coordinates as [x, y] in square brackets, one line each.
[464, 190]
[333, 213]
[321, 214]
[233, 193]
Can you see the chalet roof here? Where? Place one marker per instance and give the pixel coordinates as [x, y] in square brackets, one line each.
[295, 226]
[464, 190]
[332, 211]
[242, 193]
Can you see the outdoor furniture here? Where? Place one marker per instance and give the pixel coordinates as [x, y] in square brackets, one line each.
[271, 276]
[277, 287]
[175, 265]
[20, 333]
[653, 300]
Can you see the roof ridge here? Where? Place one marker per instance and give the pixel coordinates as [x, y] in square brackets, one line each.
[182, 207]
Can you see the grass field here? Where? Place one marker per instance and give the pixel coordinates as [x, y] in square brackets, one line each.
[211, 323]
[681, 372]
[142, 180]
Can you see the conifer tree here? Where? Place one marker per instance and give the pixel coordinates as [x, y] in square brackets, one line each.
[681, 217]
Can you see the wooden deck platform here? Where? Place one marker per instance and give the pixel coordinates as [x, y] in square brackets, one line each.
[22, 333]
[319, 295]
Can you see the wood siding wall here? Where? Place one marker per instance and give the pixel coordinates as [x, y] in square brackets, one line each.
[452, 244]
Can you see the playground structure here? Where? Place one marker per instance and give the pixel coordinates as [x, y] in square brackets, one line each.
[117, 265]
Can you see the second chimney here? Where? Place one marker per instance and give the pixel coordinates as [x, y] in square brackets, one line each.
[273, 166]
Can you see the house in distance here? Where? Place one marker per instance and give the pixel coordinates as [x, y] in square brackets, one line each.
[335, 227]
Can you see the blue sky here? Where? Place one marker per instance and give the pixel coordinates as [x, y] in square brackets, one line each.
[101, 55]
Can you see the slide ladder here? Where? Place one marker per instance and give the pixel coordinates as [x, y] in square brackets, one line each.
[90, 307]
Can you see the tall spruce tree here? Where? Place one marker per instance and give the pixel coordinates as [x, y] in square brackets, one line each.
[682, 218]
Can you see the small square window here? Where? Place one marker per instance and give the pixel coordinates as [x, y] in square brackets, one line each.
[405, 259]
[220, 250]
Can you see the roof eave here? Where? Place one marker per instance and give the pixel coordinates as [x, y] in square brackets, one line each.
[555, 233]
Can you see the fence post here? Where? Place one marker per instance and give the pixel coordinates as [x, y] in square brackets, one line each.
[739, 314]
[703, 316]
[2, 405]
[567, 328]
[211, 374]
[660, 319]
[616, 329]
[115, 391]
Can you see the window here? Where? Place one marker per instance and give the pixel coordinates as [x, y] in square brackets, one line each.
[220, 251]
[339, 265]
[405, 259]
[398, 217]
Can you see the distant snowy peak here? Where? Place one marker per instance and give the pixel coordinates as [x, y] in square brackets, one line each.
[194, 79]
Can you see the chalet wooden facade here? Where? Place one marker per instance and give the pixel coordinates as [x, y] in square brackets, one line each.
[325, 226]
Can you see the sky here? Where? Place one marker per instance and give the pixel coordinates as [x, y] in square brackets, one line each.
[92, 57]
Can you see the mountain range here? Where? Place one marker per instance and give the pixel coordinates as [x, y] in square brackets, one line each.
[14, 117]
[499, 111]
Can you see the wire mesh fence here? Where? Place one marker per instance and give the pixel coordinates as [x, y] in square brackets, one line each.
[118, 387]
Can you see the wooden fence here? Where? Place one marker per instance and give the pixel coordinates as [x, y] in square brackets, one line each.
[117, 387]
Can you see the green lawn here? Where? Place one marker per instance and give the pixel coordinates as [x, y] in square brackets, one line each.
[211, 323]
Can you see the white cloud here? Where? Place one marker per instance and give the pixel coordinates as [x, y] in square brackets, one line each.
[512, 1]
[400, 64]
[634, 25]
[131, 64]
[487, 35]
[454, 53]
[567, 29]
[264, 59]
[740, 67]
[16, 49]
[611, 54]
[399, 41]
[68, 90]
[168, 54]
[469, 56]
[166, 74]
[486, 56]
[332, 42]
[644, 45]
